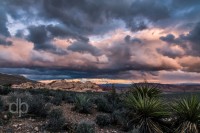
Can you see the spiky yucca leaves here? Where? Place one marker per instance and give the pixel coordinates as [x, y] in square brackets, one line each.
[145, 90]
[147, 113]
[187, 114]
[83, 104]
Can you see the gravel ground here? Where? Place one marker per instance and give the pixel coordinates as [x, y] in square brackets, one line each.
[75, 117]
[35, 125]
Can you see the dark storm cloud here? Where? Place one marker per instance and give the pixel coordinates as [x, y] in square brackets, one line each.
[64, 32]
[128, 39]
[182, 40]
[185, 3]
[90, 17]
[84, 47]
[4, 42]
[3, 20]
[49, 73]
[123, 57]
[137, 26]
[170, 52]
[194, 38]
[91, 14]
[158, 10]
[20, 34]
[41, 38]
[80, 19]
[170, 38]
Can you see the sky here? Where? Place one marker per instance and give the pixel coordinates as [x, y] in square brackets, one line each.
[116, 40]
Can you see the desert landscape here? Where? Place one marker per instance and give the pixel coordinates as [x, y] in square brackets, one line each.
[77, 107]
[99, 66]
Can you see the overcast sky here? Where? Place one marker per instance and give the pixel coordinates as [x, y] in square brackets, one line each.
[156, 40]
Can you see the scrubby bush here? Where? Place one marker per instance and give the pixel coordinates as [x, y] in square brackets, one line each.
[1, 104]
[103, 120]
[38, 106]
[85, 127]
[83, 104]
[56, 120]
[36, 103]
[112, 95]
[5, 89]
[121, 117]
[5, 118]
[24, 96]
[103, 105]
[57, 99]
[69, 97]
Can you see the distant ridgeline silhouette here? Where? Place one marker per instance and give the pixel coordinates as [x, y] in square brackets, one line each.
[7, 79]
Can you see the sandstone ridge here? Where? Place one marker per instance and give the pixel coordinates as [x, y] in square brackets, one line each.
[62, 85]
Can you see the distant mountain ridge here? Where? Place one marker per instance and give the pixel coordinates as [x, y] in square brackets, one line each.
[62, 85]
[187, 87]
[7, 79]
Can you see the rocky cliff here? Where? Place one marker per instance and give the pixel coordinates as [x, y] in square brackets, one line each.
[61, 85]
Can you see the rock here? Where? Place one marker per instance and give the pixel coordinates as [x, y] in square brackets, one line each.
[36, 129]
[15, 126]
[5, 117]
[63, 85]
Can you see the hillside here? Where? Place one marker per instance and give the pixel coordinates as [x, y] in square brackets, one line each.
[163, 87]
[6, 79]
[62, 85]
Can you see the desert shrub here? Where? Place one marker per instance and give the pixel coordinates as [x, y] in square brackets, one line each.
[112, 95]
[122, 118]
[36, 103]
[69, 97]
[46, 98]
[5, 118]
[103, 120]
[24, 96]
[1, 122]
[38, 106]
[44, 92]
[56, 120]
[57, 99]
[85, 127]
[103, 105]
[83, 104]
[1, 104]
[5, 90]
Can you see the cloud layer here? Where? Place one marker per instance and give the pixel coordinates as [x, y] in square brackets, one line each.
[100, 39]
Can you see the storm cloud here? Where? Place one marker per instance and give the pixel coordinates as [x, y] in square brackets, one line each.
[113, 39]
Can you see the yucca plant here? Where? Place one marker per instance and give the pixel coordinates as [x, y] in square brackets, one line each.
[147, 113]
[83, 104]
[145, 90]
[187, 115]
